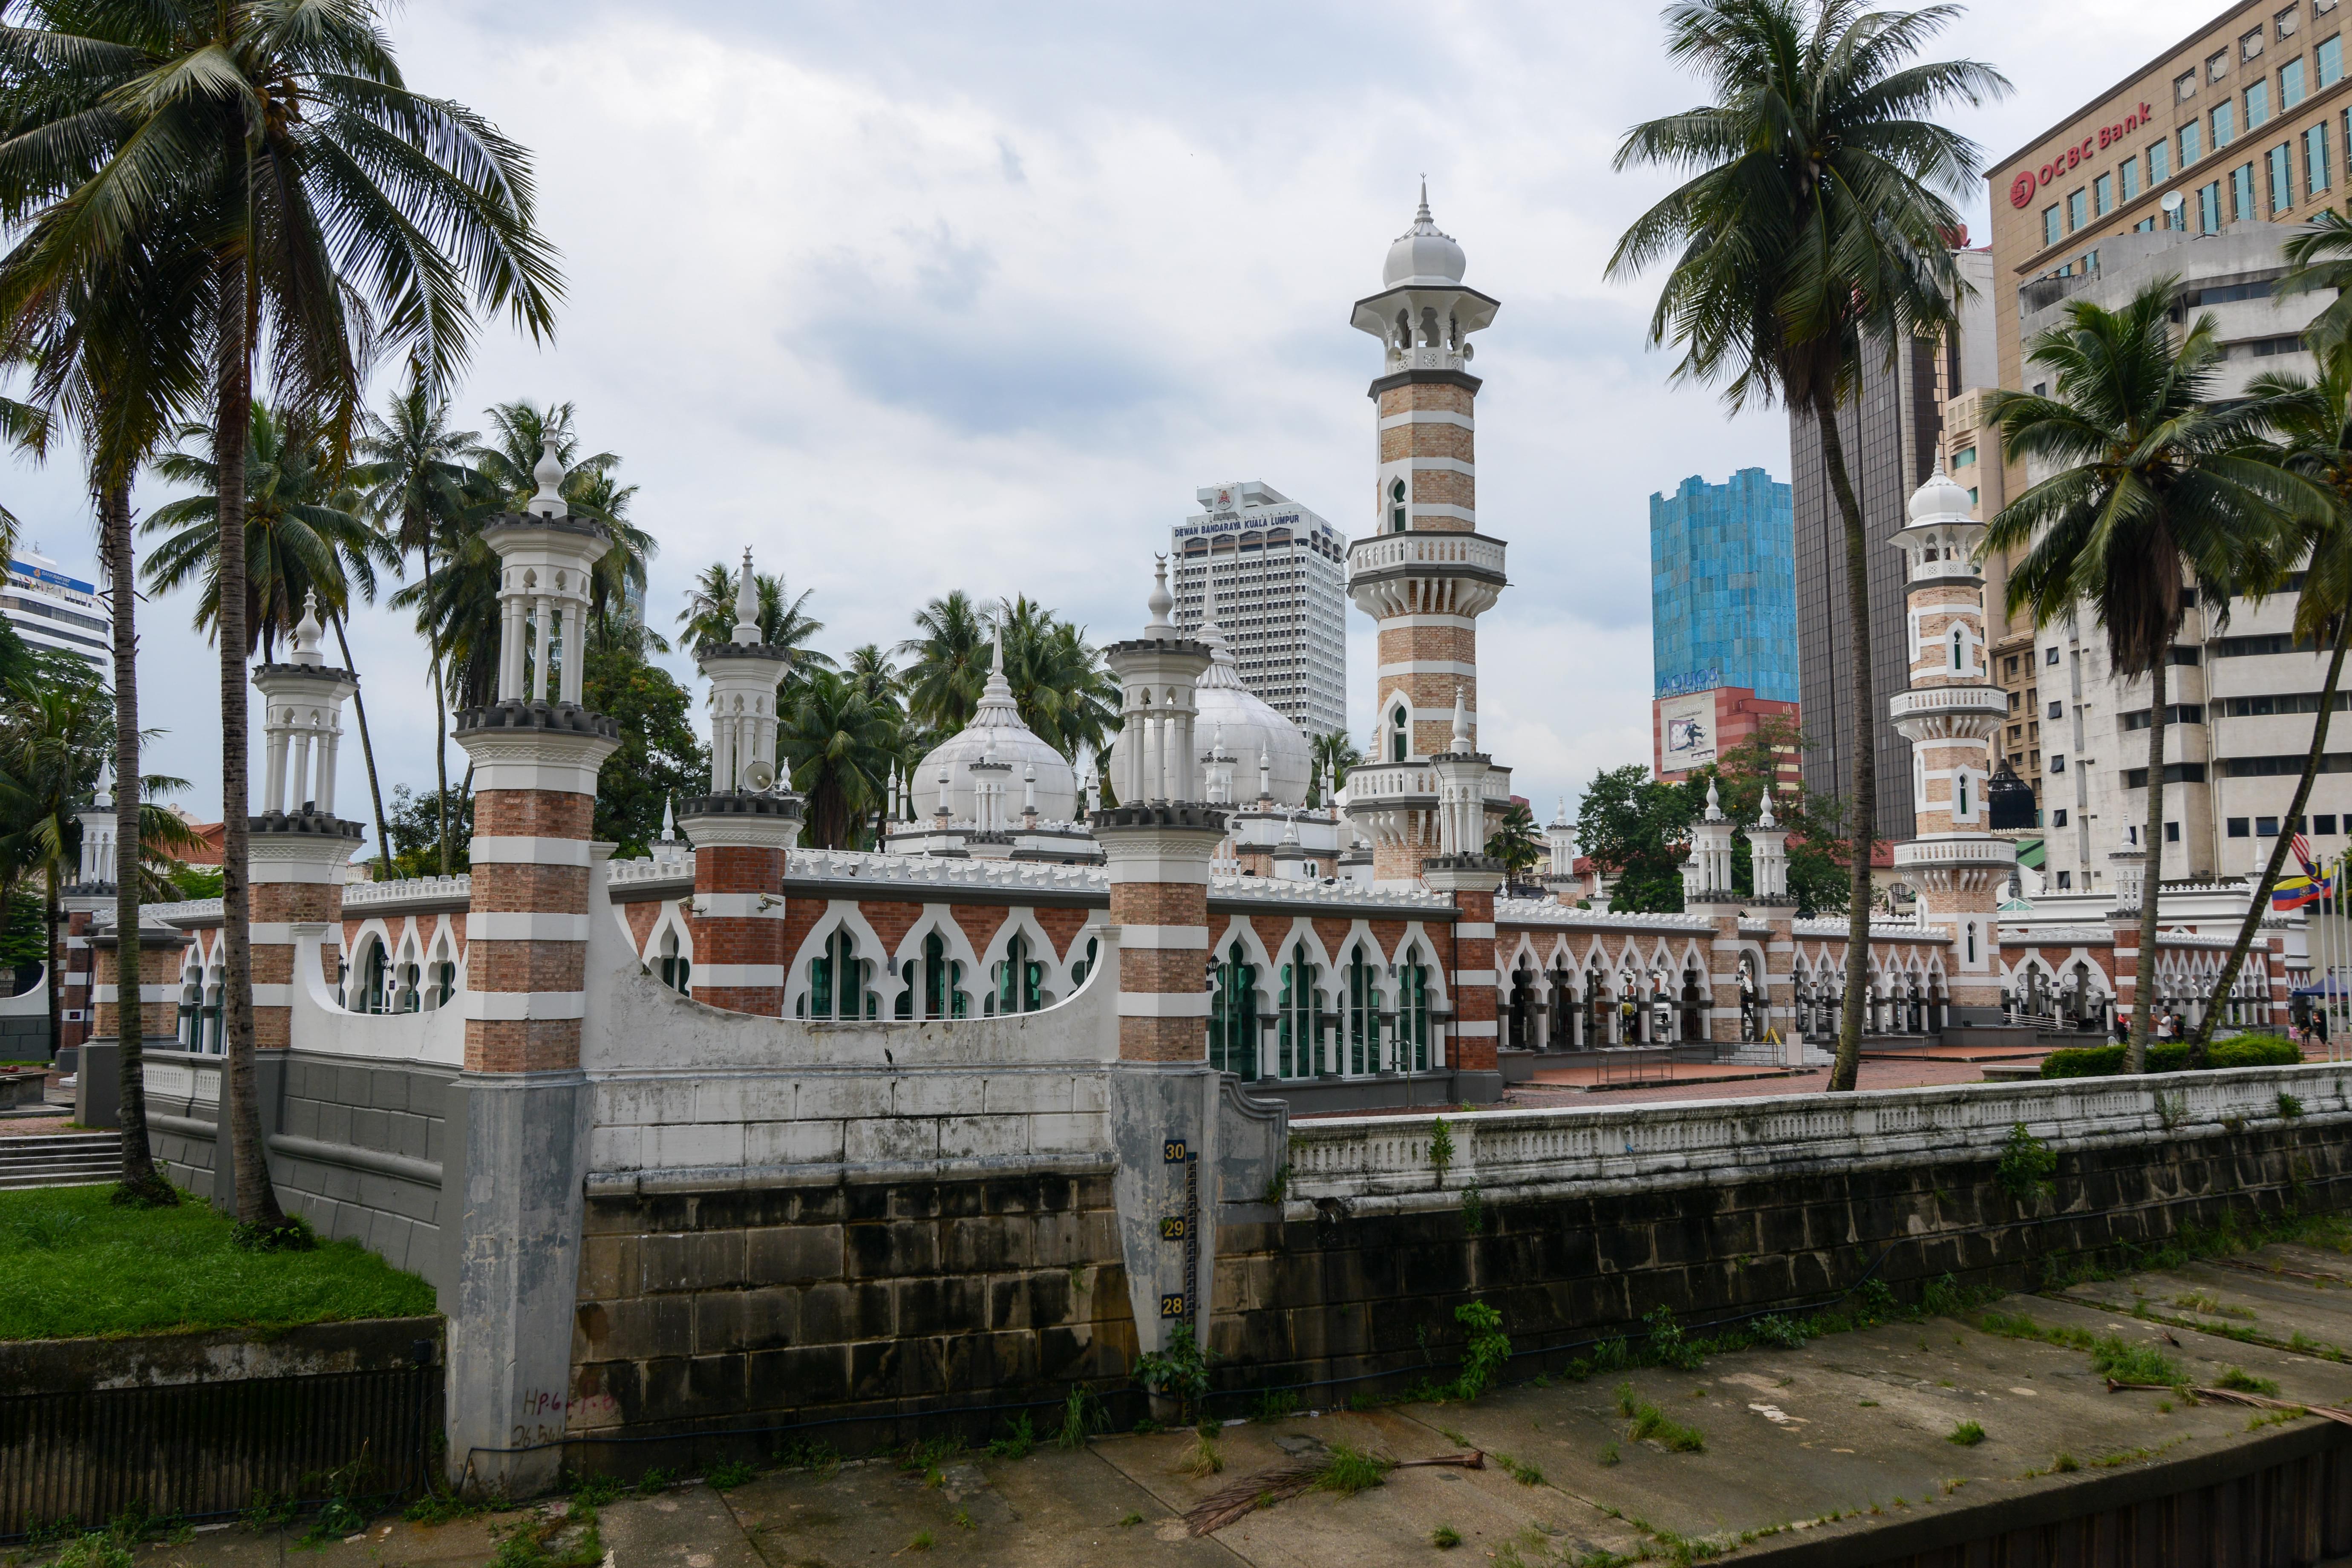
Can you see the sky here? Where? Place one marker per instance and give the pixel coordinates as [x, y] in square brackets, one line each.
[919, 297]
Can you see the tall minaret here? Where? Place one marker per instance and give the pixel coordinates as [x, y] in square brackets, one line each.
[1951, 713]
[1424, 573]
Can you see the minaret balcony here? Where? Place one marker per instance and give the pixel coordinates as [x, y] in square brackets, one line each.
[1948, 713]
[1965, 849]
[1425, 573]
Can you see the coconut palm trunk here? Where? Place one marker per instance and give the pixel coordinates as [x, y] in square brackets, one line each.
[2152, 877]
[2259, 903]
[440, 718]
[52, 954]
[141, 1183]
[367, 747]
[1863, 785]
[256, 1199]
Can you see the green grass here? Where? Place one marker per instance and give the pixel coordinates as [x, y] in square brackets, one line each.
[1650, 1422]
[1968, 1434]
[1350, 1470]
[73, 1266]
[2245, 1381]
[1446, 1537]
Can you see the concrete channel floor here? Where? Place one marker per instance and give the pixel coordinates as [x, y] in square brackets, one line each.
[1842, 1435]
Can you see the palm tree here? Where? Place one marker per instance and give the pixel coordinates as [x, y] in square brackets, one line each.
[838, 746]
[589, 490]
[422, 495]
[2311, 425]
[783, 618]
[950, 663]
[1065, 694]
[123, 363]
[1516, 841]
[870, 673]
[1811, 230]
[2319, 256]
[2148, 484]
[342, 213]
[304, 531]
[1334, 755]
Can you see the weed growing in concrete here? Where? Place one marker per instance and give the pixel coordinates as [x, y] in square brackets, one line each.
[1273, 1404]
[1473, 1211]
[2245, 1381]
[268, 1512]
[929, 1454]
[962, 1520]
[2210, 1305]
[1650, 1422]
[596, 1490]
[1350, 1470]
[571, 1541]
[922, 1542]
[2065, 1465]
[2289, 1105]
[1609, 1455]
[1130, 1520]
[1527, 1475]
[729, 1474]
[2262, 1418]
[2172, 1108]
[1082, 1417]
[1020, 1436]
[809, 1454]
[1440, 1148]
[1669, 1347]
[2303, 1344]
[1612, 1354]
[96, 1550]
[2128, 1362]
[1446, 1537]
[1866, 1404]
[1966, 1435]
[2027, 1163]
[1277, 1187]
[1775, 1330]
[1202, 1460]
[655, 1480]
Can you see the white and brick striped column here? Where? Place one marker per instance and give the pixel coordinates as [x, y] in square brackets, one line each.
[536, 755]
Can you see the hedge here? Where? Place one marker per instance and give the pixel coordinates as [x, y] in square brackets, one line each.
[2172, 1055]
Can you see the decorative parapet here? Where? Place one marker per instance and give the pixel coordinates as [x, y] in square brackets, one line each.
[662, 866]
[405, 891]
[189, 912]
[1880, 930]
[1380, 1164]
[1552, 911]
[2055, 936]
[869, 868]
[1338, 895]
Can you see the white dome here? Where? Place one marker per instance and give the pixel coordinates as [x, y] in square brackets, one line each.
[996, 733]
[1231, 715]
[1941, 500]
[1424, 256]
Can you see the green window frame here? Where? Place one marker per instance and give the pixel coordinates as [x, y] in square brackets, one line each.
[1298, 1034]
[1363, 1013]
[1412, 1012]
[1232, 1015]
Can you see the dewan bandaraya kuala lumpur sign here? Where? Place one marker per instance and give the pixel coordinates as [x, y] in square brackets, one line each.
[2028, 181]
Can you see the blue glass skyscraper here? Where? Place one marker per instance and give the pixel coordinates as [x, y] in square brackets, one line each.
[1723, 587]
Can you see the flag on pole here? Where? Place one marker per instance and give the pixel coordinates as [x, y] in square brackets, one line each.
[2301, 845]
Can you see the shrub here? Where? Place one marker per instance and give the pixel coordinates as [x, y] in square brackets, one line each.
[2172, 1055]
[729, 1474]
[1440, 1148]
[1180, 1372]
[1488, 1349]
[1668, 1345]
[2026, 1164]
[1082, 1417]
[1020, 1436]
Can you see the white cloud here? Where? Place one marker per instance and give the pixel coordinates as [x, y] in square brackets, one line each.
[915, 297]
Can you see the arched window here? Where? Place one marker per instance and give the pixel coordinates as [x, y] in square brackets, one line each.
[1961, 792]
[1297, 1021]
[1413, 1011]
[210, 1022]
[1396, 507]
[1972, 941]
[374, 980]
[192, 1010]
[1399, 733]
[1363, 1013]
[1085, 966]
[942, 980]
[1959, 648]
[836, 979]
[1232, 1015]
[675, 967]
[1020, 980]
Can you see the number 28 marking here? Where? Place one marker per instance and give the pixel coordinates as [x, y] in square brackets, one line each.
[1172, 1306]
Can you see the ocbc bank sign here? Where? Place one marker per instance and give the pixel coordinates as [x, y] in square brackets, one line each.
[2028, 181]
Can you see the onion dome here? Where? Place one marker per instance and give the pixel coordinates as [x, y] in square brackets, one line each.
[1422, 256]
[1941, 500]
[1236, 720]
[995, 735]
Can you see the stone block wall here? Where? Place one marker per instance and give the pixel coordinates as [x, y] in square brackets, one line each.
[717, 1310]
[1344, 1295]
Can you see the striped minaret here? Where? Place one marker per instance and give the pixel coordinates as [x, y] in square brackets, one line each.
[298, 845]
[536, 754]
[1951, 713]
[1462, 869]
[1158, 841]
[741, 829]
[1424, 574]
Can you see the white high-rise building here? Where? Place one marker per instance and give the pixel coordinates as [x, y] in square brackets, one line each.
[49, 609]
[1279, 576]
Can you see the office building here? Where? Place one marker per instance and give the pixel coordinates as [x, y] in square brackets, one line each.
[1723, 616]
[1273, 576]
[53, 610]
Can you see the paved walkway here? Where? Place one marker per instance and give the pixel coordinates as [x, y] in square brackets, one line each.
[1843, 1436]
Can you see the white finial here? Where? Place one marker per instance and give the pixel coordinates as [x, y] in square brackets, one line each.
[306, 630]
[1264, 775]
[105, 795]
[1290, 827]
[1559, 812]
[996, 648]
[669, 823]
[1714, 805]
[746, 604]
[1159, 603]
[1422, 216]
[1771, 788]
[1461, 719]
[549, 472]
